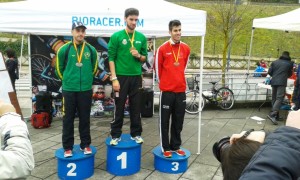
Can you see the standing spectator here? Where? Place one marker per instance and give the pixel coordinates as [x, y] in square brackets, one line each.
[280, 70]
[127, 49]
[170, 64]
[12, 66]
[263, 63]
[76, 73]
[16, 154]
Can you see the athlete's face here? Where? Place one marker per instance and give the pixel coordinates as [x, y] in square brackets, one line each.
[131, 22]
[78, 34]
[175, 33]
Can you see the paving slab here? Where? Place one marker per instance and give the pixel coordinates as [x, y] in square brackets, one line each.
[215, 124]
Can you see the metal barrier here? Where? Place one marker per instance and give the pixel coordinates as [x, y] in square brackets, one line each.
[243, 85]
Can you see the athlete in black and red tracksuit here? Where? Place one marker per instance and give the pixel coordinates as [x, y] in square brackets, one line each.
[170, 63]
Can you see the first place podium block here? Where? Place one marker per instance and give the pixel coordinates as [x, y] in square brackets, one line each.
[79, 166]
[123, 159]
[174, 165]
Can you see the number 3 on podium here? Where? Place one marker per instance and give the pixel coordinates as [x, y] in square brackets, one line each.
[176, 165]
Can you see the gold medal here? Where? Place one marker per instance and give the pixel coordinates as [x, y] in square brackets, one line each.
[79, 64]
[176, 63]
[131, 40]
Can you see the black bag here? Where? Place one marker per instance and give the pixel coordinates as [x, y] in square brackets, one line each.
[147, 103]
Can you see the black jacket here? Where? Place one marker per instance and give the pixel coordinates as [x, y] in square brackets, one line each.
[277, 158]
[280, 70]
[12, 68]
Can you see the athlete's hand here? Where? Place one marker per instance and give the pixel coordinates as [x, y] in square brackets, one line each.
[135, 53]
[116, 85]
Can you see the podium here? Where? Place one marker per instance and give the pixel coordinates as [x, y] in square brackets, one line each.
[123, 159]
[77, 167]
[174, 165]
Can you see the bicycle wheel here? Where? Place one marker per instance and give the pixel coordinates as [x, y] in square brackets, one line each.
[192, 102]
[225, 98]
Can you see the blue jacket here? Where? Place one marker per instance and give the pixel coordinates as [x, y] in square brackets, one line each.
[277, 158]
[260, 70]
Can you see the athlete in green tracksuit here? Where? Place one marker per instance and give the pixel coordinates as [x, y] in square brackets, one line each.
[127, 49]
[76, 73]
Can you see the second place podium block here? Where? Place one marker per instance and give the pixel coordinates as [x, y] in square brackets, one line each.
[77, 167]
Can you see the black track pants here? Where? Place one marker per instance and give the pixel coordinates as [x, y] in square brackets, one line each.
[171, 105]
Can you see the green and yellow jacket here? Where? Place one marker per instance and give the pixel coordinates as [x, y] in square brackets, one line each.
[76, 78]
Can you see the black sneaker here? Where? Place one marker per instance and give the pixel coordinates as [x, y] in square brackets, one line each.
[273, 119]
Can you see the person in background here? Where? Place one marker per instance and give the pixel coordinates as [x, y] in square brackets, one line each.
[263, 64]
[127, 48]
[77, 73]
[260, 71]
[12, 66]
[260, 155]
[170, 63]
[280, 70]
[16, 154]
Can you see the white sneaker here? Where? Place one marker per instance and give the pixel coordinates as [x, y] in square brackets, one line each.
[114, 141]
[138, 139]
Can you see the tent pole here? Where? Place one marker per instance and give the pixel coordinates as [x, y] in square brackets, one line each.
[153, 73]
[21, 55]
[250, 49]
[200, 92]
[249, 58]
[29, 69]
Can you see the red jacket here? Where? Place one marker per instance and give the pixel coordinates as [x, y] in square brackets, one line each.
[171, 77]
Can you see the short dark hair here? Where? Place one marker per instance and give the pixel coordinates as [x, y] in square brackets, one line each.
[10, 53]
[131, 11]
[285, 54]
[235, 158]
[257, 63]
[174, 23]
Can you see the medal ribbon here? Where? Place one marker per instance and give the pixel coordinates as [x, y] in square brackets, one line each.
[79, 57]
[176, 58]
[132, 39]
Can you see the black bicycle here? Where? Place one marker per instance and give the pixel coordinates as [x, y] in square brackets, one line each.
[222, 97]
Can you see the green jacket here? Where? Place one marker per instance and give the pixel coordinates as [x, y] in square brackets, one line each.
[119, 52]
[76, 78]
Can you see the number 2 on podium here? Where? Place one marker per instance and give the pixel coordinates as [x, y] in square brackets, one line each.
[123, 158]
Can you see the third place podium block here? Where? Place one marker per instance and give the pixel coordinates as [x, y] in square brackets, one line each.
[123, 159]
[175, 164]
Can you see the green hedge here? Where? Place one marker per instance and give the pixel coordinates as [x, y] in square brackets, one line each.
[16, 45]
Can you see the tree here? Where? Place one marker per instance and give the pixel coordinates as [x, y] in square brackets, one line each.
[228, 21]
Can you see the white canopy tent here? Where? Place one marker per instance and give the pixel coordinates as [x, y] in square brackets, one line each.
[54, 17]
[102, 18]
[289, 21]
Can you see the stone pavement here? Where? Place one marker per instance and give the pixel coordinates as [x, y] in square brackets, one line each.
[215, 124]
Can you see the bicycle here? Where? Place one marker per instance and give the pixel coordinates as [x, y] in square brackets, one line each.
[222, 97]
